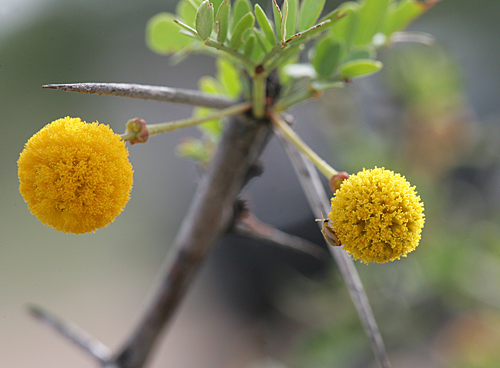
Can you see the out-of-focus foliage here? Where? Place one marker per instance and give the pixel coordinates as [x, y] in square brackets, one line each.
[344, 45]
[440, 308]
[226, 83]
[351, 32]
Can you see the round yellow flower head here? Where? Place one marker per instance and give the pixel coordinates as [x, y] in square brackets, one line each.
[76, 177]
[377, 216]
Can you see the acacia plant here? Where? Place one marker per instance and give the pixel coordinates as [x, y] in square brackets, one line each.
[76, 176]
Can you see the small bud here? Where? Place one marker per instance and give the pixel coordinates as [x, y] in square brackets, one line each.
[137, 126]
[336, 180]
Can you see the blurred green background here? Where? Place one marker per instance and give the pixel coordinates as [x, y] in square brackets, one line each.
[431, 114]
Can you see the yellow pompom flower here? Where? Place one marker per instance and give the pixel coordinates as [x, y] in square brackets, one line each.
[377, 216]
[76, 177]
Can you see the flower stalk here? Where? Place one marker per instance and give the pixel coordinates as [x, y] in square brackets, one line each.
[320, 164]
[153, 129]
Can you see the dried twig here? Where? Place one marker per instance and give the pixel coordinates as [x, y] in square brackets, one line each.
[84, 340]
[157, 93]
[317, 198]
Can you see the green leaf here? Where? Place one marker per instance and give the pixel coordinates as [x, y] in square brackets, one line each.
[277, 19]
[240, 9]
[370, 15]
[291, 20]
[211, 85]
[216, 4]
[343, 29]
[357, 53]
[360, 67]
[243, 25]
[265, 24]
[222, 20]
[162, 34]
[204, 20]
[400, 14]
[262, 43]
[186, 9]
[310, 10]
[212, 127]
[284, 17]
[228, 76]
[192, 148]
[326, 57]
[249, 46]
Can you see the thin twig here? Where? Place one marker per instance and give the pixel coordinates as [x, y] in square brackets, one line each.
[250, 226]
[157, 93]
[316, 196]
[208, 218]
[84, 340]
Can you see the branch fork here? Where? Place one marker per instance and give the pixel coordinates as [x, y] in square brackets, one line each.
[210, 215]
